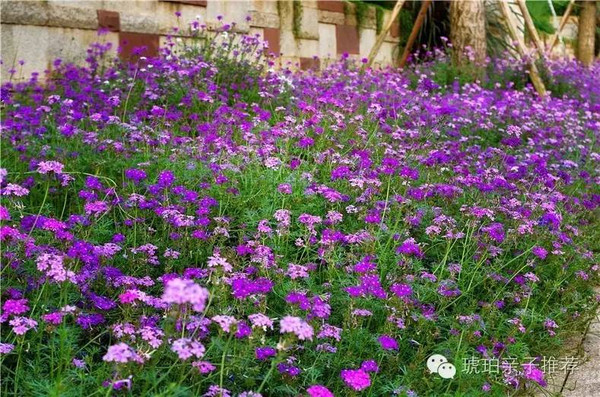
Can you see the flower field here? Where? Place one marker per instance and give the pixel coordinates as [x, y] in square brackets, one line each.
[197, 224]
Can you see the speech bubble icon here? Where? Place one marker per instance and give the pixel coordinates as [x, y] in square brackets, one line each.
[435, 361]
[447, 370]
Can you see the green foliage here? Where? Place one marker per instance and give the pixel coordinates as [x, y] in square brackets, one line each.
[540, 13]
[297, 22]
[378, 20]
[361, 10]
[240, 62]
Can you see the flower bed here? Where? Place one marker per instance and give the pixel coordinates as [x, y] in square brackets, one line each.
[190, 225]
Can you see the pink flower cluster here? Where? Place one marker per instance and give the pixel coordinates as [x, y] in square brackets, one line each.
[296, 326]
[181, 291]
[53, 266]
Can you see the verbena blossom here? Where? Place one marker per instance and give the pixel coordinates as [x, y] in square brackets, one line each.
[531, 372]
[204, 367]
[186, 348]
[22, 324]
[122, 353]
[12, 307]
[401, 290]
[263, 353]
[136, 175]
[370, 366]
[296, 326]
[182, 291]
[250, 394]
[46, 167]
[260, 320]
[410, 247]
[387, 342]
[53, 266]
[319, 391]
[6, 348]
[227, 323]
[14, 190]
[356, 379]
[540, 252]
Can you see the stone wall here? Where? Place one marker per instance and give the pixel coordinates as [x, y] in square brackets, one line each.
[305, 34]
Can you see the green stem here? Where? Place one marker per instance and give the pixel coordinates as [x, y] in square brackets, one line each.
[222, 371]
[264, 382]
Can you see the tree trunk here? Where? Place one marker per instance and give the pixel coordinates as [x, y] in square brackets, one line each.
[467, 31]
[586, 32]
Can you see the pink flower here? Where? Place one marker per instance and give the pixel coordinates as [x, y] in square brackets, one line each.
[53, 266]
[6, 348]
[186, 348]
[319, 391]
[297, 326]
[22, 324]
[204, 366]
[45, 167]
[182, 291]
[121, 353]
[259, 320]
[225, 322]
[216, 260]
[356, 379]
[15, 190]
[53, 318]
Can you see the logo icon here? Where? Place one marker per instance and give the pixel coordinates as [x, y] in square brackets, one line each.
[438, 364]
[447, 370]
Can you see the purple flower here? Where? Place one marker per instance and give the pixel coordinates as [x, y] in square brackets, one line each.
[401, 290]
[495, 231]
[204, 367]
[387, 342]
[285, 188]
[287, 369]
[369, 366]
[263, 353]
[53, 318]
[319, 391]
[136, 175]
[12, 307]
[356, 379]
[6, 348]
[540, 252]
[87, 321]
[242, 287]
[410, 247]
[533, 373]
